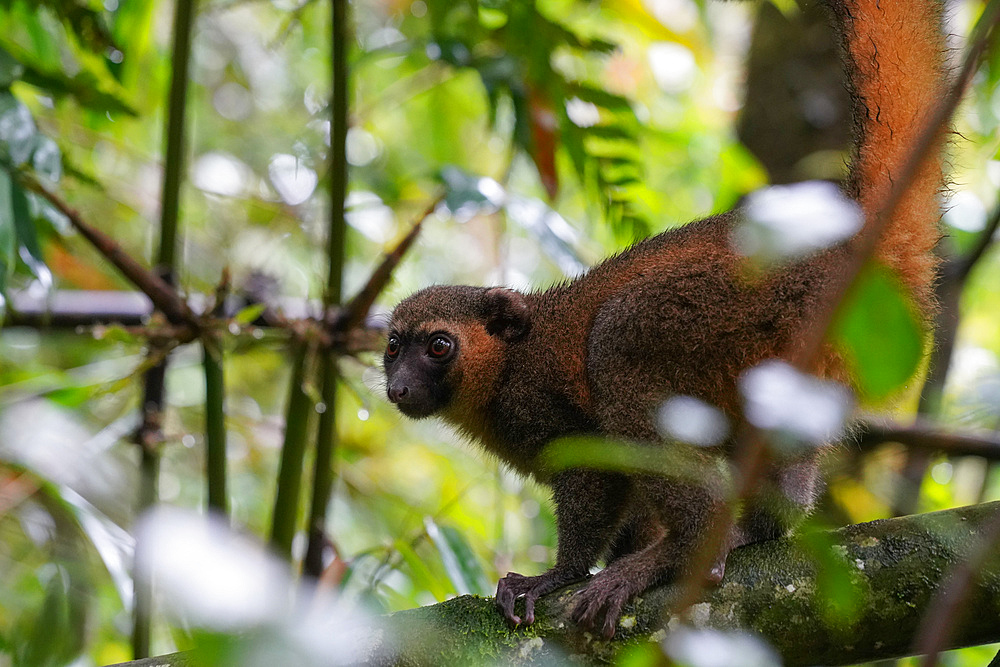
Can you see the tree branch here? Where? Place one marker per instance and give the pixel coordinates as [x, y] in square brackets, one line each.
[774, 589]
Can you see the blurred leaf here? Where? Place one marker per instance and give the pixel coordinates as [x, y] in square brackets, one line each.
[467, 560]
[17, 130]
[459, 561]
[56, 635]
[464, 195]
[619, 132]
[27, 236]
[10, 69]
[51, 55]
[879, 332]
[519, 68]
[46, 158]
[836, 578]
[250, 314]
[601, 98]
[556, 236]
[7, 229]
[95, 92]
[421, 574]
[86, 21]
[648, 654]
[635, 12]
[114, 545]
[678, 461]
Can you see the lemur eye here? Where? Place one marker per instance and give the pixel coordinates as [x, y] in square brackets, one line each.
[392, 348]
[439, 347]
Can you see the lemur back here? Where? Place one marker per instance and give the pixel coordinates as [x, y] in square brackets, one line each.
[674, 314]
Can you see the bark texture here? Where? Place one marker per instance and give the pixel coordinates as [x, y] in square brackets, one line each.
[852, 595]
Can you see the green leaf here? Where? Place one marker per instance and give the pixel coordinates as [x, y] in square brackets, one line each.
[840, 585]
[53, 639]
[97, 92]
[421, 574]
[880, 334]
[10, 69]
[600, 97]
[17, 130]
[27, 235]
[249, 314]
[46, 158]
[613, 132]
[8, 234]
[459, 562]
[472, 570]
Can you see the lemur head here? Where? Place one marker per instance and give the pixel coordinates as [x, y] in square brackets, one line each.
[446, 344]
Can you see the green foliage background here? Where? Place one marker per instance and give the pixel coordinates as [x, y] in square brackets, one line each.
[443, 94]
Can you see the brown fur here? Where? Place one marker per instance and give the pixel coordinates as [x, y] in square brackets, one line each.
[673, 314]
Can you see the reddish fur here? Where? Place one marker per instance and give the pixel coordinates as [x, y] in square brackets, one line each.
[896, 50]
[477, 370]
[674, 314]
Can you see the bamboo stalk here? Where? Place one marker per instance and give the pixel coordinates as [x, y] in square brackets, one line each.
[326, 435]
[215, 427]
[153, 401]
[286, 501]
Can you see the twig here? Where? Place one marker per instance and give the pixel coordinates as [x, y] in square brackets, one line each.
[358, 308]
[948, 291]
[928, 438]
[159, 291]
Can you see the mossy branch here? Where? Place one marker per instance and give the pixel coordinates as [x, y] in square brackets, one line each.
[896, 570]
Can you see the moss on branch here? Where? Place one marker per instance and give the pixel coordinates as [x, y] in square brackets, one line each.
[851, 595]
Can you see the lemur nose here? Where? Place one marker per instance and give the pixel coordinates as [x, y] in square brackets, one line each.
[396, 394]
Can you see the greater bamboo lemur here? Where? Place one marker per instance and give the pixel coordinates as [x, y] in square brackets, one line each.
[672, 314]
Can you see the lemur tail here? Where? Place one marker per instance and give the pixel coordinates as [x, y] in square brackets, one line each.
[894, 51]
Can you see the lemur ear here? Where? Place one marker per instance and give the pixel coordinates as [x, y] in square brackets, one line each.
[506, 314]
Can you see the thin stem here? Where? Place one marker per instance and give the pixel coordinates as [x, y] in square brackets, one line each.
[323, 473]
[174, 159]
[286, 501]
[148, 437]
[158, 286]
[948, 290]
[163, 295]
[340, 33]
[326, 436]
[215, 427]
[149, 482]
